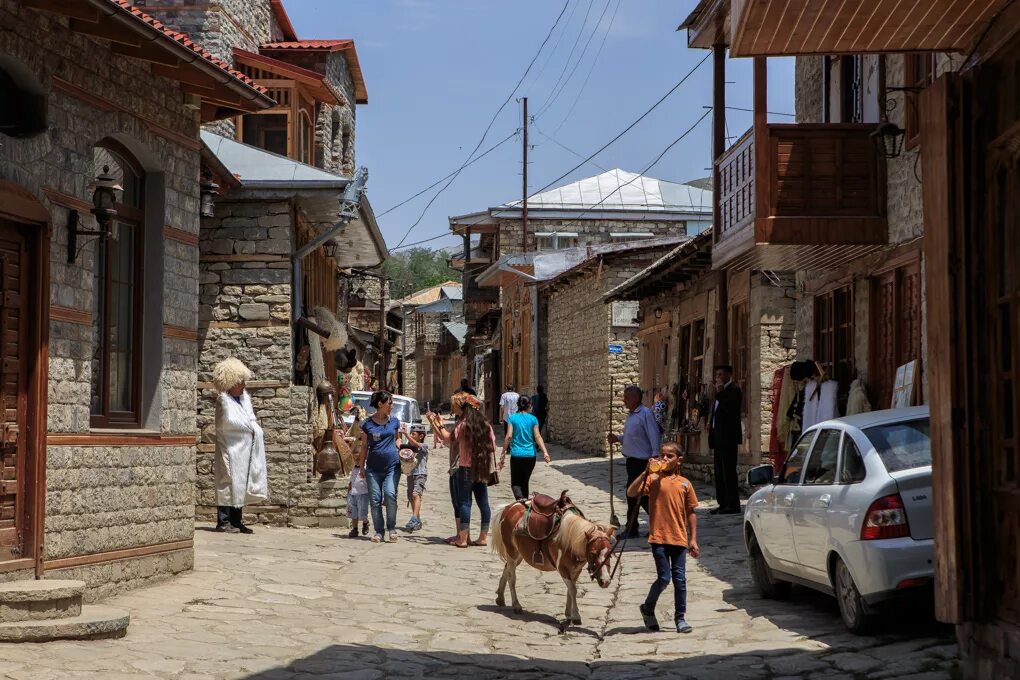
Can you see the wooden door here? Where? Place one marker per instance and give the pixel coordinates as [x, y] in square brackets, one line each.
[14, 465]
[896, 329]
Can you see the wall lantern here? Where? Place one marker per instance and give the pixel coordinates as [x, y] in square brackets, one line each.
[889, 137]
[331, 249]
[658, 312]
[104, 200]
[208, 190]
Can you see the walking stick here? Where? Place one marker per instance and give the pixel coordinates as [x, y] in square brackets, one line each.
[613, 519]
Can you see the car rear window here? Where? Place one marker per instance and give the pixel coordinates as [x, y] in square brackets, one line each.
[902, 446]
[402, 410]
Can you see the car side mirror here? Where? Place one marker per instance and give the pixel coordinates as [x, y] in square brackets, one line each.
[760, 476]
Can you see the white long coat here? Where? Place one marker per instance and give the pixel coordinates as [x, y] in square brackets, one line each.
[240, 462]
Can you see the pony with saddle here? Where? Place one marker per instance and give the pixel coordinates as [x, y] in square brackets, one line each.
[551, 534]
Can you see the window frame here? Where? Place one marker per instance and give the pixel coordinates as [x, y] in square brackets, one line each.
[739, 331]
[848, 438]
[135, 217]
[919, 70]
[815, 452]
[793, 456]
[829, 330]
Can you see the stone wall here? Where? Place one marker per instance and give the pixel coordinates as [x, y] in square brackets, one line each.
[589, 232]
[579, 366]
[771, 345]
[220, 27]
[103, 498]
[245, 313]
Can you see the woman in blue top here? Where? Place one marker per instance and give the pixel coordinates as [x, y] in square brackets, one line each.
[522, 435]
[380, 464]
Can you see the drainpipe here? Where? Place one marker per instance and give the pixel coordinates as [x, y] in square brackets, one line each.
[349, 203]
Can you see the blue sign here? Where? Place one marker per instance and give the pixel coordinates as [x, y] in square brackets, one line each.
[615, 349]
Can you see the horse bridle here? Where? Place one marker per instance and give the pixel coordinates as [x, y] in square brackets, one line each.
[595, 565]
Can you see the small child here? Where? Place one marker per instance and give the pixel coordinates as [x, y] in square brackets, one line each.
[357, 502]
[673, 530]
[418, 475]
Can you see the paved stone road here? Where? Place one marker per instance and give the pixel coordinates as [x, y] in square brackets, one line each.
[289, 604]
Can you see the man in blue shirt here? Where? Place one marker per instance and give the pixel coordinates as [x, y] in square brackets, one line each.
[641, 439]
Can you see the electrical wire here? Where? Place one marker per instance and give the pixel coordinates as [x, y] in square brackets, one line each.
[629, 127]
[580, 58]
[570, 55]
[591, 69]
[442, 179]
[567, 148]
[488, 127]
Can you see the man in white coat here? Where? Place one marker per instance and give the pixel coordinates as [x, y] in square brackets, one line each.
[240, 462]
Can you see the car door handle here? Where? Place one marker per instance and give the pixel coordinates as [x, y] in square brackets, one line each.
[823, 501]
[788, 499]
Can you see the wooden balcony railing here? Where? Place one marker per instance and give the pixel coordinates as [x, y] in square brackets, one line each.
[809, 185]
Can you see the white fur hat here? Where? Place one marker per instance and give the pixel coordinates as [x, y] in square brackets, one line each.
[230, 373]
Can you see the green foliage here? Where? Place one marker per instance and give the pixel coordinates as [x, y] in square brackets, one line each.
[416, 268]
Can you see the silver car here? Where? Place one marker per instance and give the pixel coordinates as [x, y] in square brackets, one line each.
[850, 514]
[405, 409]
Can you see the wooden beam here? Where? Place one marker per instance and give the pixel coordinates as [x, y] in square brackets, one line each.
[148, 54]
[106, 31]
[188, 76]
[113, 555]
[118, 439]
[64, 8]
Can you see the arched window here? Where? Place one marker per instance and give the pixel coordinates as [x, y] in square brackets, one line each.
[117, 295]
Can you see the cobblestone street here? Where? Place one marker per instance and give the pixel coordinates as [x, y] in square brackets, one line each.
[300, 604]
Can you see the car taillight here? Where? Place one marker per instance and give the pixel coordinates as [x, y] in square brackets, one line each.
[886, 518]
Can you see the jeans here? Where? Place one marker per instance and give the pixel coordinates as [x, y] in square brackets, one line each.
[635, 466]
[454, 498]
[670, 563]
[521, 468]
[727, 490]
[466, 487]
[382, 487]
[226, 515]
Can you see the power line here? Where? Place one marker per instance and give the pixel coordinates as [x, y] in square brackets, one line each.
[570, 55]
[442, 179]
[580, 58]
[591, 69]
[567, 148]
[488, 127]
[556, 45]
[629, 127]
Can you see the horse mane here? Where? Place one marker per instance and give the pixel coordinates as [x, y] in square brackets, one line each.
[573, 535]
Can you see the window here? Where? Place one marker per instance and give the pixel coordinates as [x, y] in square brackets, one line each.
[918, 72]
[738, 348]
[821, 468]
[630, 235]
[698, 356]
[267, 131]
[834, 338]
[895, 329]
[851, 464]
[555, 240]
[304, 152]
[902, 446]
[116, 313]
[795, 463]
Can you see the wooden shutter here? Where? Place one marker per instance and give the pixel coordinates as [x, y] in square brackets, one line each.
[13, 395]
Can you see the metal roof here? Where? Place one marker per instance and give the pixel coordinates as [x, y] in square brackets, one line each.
[458, 329]
[689, 258]
[440, 306]
[452, 292]
[252, 164]
[621, 190]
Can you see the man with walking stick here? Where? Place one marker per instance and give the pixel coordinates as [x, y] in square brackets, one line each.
[640, 441]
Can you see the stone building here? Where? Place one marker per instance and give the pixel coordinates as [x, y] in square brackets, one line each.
[274, 251]
[582, 366]
[437, 356]
[404, 309]
[678, 325]
[615, 207]
[99, 230]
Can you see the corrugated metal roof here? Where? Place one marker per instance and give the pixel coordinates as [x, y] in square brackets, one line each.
[440, 306]
[621, 190]
[457, 329]
[453, 292]
[252, 164]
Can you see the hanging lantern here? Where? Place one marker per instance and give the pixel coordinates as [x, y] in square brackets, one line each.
[889, 137]
[331, 249]
[104, 197]
[208, 191]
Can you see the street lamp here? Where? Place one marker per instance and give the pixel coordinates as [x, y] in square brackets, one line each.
[889, 137]
[104, 200]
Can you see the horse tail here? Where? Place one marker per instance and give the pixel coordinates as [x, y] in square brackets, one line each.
[498, 546]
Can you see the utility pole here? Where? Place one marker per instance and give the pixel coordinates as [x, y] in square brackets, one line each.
[383, 354]
[524, 190]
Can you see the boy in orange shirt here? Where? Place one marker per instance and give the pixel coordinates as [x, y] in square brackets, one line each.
[673, 530]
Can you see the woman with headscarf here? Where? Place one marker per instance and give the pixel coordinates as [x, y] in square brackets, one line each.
[473, 454]
[240, 461]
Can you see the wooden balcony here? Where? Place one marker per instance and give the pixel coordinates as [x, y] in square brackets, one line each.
[812, 197]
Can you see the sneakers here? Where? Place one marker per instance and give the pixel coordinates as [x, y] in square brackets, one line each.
[651, 623]
[244, 529]
[391, 537]
[227, 529]
[683, 627]
[413, 524]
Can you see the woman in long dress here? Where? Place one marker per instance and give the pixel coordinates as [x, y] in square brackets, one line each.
[240, 462]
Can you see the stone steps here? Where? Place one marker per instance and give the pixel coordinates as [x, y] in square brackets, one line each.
[95, 622]
[37, 611]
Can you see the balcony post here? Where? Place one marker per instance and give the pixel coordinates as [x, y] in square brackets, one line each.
[762, 167]
[722, 335]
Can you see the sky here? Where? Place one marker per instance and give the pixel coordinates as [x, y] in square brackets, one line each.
[437, 71]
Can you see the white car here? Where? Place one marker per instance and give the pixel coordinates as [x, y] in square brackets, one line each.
[850, 514]
[405, 409]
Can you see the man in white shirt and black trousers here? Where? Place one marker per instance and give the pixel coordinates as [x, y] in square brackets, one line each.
[724, 436]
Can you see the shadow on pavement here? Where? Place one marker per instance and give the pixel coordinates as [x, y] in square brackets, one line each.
[371, 662]
[535, 617]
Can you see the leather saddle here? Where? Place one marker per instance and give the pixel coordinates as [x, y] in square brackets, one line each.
[543, 514]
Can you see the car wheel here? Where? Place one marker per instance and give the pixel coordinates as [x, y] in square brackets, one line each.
[764, 580]
[851, 605]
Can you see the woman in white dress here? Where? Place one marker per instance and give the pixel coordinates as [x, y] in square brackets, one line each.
[240, 462]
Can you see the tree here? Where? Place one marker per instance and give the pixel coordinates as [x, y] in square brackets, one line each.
[416, 268]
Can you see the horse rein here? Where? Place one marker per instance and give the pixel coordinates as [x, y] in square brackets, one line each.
[593, 566]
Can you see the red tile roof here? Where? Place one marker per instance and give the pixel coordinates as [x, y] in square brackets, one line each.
[331, 45]
[186, 41]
